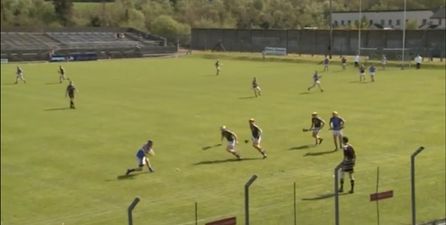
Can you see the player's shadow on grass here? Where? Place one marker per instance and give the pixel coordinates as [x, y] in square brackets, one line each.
[319, 153]
[224, 161]
[302, 147]
[9, 84]
[322, 196]
[247, 97]
[130, 176]
[56, 109]
[210, 146]
[305, 93]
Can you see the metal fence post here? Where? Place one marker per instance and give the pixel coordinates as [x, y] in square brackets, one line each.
[130, 209]
[412, 182]
[336, 193]
[295, 207]
[250, 181]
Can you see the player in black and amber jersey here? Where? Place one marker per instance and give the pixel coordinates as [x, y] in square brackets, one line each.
[256, 137]
[231, 137]
[348, 164]
[317, 123]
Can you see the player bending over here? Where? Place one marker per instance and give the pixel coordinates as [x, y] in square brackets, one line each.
[256, 88]
[256, 137]
[142, 157]
[348, 164]
[317, 124]
[231, 137]
[316, 81]
[61, 74]
[336, 125]
[19, 75]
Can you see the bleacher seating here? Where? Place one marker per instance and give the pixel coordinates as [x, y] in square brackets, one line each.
[26, 41]
[114, 42]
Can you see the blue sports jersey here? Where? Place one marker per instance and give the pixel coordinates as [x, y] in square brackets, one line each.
[336, 123]
[372, 69]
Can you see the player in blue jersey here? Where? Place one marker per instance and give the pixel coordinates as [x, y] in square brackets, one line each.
[336, 125]
[372, 72]
[142, 157]
[348, 164]
[316, 82]
[232, 139]
[256, 137]
[19, 75]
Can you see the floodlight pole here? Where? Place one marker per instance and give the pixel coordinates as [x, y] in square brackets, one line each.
[404, 36]
[412, 182]
[336, 192]
[130, 209]
[250, 181]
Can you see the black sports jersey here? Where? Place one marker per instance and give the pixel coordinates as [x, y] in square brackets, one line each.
[349, 152]
[228, 135]
[254, 84]
[255, 130]
[317, 122]
[61, 71]
[70, 90]
[349, 158]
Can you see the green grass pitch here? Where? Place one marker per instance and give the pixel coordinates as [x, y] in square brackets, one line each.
[60, 166]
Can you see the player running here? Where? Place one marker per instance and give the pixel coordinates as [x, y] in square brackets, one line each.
[348, 164]
[256, 87]
[142, 157]
[232, 139]
[256, 137]
[336, 125]
[61, 74]
[362, 73]
[19, 75]
[71, 89]
[317, 123]
[218, 65]
[372, 72]
[316, 82]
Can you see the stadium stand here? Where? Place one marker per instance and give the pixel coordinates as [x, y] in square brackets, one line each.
[23, 44]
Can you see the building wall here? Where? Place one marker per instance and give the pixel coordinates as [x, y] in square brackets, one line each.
[392, 19]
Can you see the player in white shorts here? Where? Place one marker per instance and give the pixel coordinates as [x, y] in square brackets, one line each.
[256, 137]
[19, 75]
[336, 125]
[231, 137]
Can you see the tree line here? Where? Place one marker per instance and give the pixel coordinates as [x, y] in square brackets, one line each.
[174, 18]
